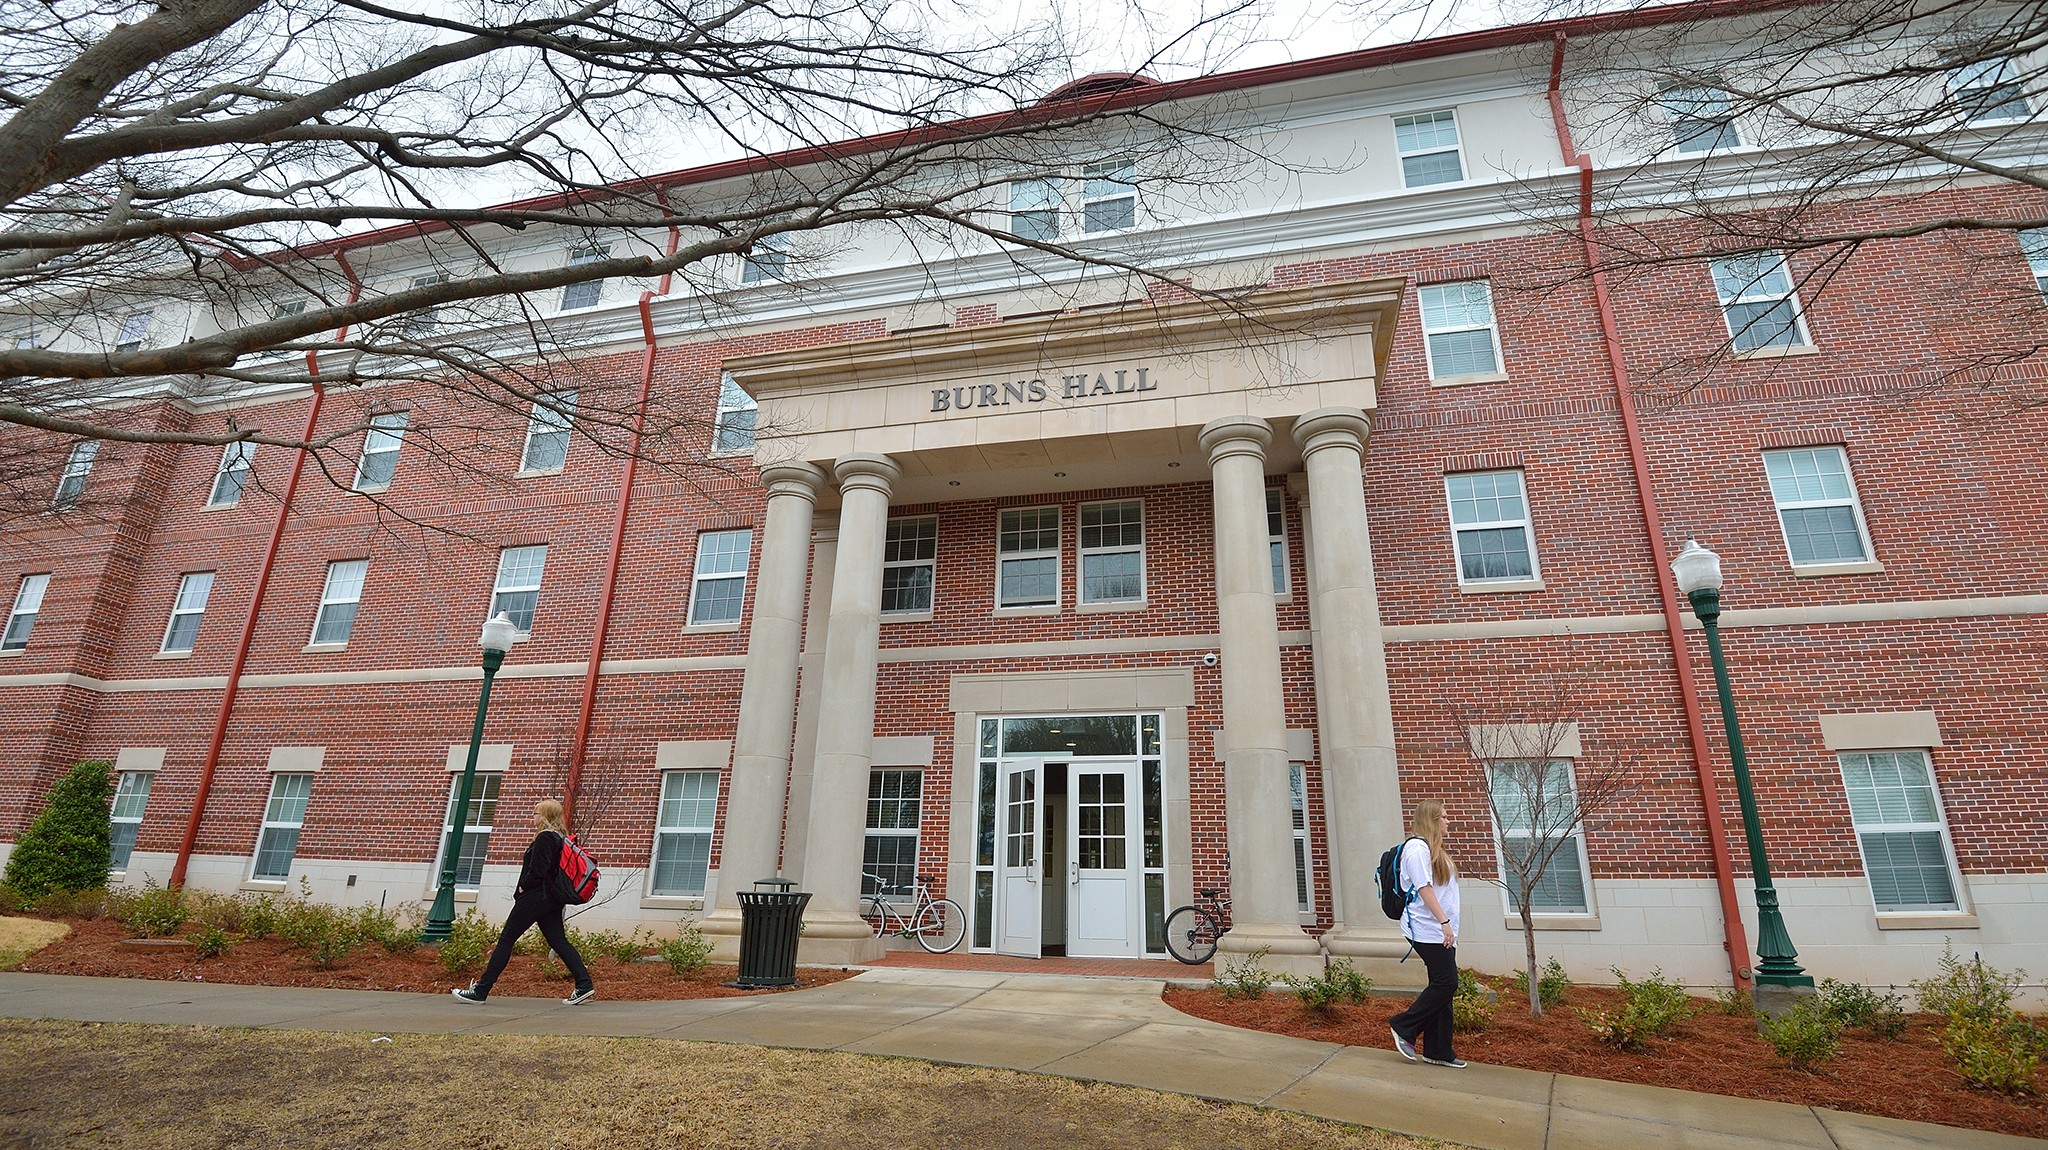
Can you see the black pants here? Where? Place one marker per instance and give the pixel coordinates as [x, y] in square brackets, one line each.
[1428, 1018]
[535, 909]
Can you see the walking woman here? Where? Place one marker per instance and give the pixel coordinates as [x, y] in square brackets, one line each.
[1431, 924]
[535, 903]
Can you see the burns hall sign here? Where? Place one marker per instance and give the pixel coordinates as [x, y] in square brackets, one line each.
[1110, 384]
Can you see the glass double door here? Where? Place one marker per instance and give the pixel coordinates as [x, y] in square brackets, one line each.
[1070, 871]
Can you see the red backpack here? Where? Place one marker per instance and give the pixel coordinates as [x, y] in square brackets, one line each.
[575, 878]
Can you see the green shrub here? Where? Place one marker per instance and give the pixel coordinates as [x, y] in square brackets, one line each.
[1472, 1007]
[262, 915]
[1969, 989]
[610, 944]
[70, 845]
[1351, 986]
[11, 900]
[91, 903]
[1649, 1007]
[155, 912]
[1996, 1053]
[531, 944]
[1735, 1001]
[399, 931]
[687, 952]
[1808, 1034]
[212, 942]
[1246, 978]
[470, 938]
[325, 934]
[1551, 984]
[1884, 1015]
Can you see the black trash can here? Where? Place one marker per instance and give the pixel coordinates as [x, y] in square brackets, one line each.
[770, 923]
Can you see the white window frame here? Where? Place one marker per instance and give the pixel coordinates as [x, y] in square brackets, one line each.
[77, 466]
[332, 599]
[552, 420]
[384, 436]
[768, 262]
[131, 796]
[879, 804]
[480, 802]
[666, 832]
[512, 566]
[1525, 523]
[134, 331]
[730, 433]
[237, 459]
[2034, 246]
[903, 549]
[1938, 825]
[1036, 204]
[574, 295]
[1277, 559]
[28, 603]
[1438, 298]
[721, 554]
[1004, 557]
[1104, 183]
[1435, 118]
[427, 318]
[1818, 474]
[1304, 858]
[276, 810]
[194, 588]
[1702, 118]
[1974, 86]
[1578, 846]
[1086, 552]
[1747, 282]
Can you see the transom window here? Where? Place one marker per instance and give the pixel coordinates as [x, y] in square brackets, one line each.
[187, 611]
[1900, 829]
[130, 797]
[1458, 330]
[719, 590]
[28, 603]
[682, 836]
[1109, 195]
[1428, 146]
[517, 591]
[889, 861]
[1113, 551]
[1490, 526]
[1028, 557]
[909, 565]
[338, 601]
[1758, 303]
[1276, 538]
[1702, 119]
[1817, 506]
[232, 474]
[737, 413]
[547, 432]
[283, 817]
[476, 829]
[1533, 804]
[77, 466]
[380, 451]
[589, 292]
[1988, 90]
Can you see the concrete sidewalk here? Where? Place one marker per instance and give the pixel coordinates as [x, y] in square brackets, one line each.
[1098, 1029]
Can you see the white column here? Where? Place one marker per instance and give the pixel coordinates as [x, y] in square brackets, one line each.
[1254, 752]
[760, 749]
[1361, 785]
[810, 668]
[833, 928]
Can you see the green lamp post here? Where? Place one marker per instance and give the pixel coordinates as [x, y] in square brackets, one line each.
[496, 640]
[1698, 572]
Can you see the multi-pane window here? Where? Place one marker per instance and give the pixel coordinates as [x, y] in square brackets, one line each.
[1035, 209]
[1988, 90]
[282, 817]
[130, 796]
[682, 836]
[547, 432]
[1758, 302]
[1028, 557]
[187, 611]
[1533, 804]
[1304, 883]
[1490, 524]
[890, 855]
[1276, 538]
[77, 466]
[427, 318]
[1113, 551]
[1702, 119]
[719, 588]
[232, 474]
[768, 261]
[1458, 331]
[2034, 245]
[1428, 146]
[1897, 811]
[380, 451]
[1817, 505]
[734, 427]
[134, 330]
[517, 591]
[476, 829]
[28, 603]
[909, 562]
[589, 292]
[338, 601]
[1109, 195]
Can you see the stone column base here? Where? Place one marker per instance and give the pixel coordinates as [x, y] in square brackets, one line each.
[1357, 944]
[721, 928]
[1775, 1001]
[838, 941]
[1289, 949]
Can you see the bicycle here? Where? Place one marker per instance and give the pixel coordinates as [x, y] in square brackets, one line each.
[938, 924]
[1193, 930]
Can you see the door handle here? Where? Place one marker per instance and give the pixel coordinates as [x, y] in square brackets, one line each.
[1073, 872]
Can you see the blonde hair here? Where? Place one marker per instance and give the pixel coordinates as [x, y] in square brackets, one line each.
[1428, 825]
[548, 813]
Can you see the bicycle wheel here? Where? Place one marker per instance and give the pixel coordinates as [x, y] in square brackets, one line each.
[941, 926]
[1191, 935]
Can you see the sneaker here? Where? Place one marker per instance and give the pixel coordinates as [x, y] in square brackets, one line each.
[1401, 1044]
[1453, 1063]
[581, 996]
[468, 994]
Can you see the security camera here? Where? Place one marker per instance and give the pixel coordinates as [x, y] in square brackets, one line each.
[1210, 659]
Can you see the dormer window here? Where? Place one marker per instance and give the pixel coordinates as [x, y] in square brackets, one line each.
[1702, 119]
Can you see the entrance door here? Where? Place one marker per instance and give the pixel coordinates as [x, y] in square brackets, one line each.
[1105, 865]
[1019, 895]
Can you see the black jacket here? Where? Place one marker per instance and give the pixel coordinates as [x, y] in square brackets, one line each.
[537, 870]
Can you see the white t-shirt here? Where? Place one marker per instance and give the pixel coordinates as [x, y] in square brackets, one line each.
[1418, 924]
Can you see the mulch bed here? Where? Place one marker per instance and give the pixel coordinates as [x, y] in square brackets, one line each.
[1713, 1052]
[94, 948]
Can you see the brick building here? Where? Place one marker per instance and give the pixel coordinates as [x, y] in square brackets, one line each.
[1065, 591]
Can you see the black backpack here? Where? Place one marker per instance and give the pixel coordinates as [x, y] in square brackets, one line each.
[1393, 900]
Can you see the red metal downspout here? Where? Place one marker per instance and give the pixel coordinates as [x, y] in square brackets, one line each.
[580, 747]
[1736, 941]
[284, 508]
